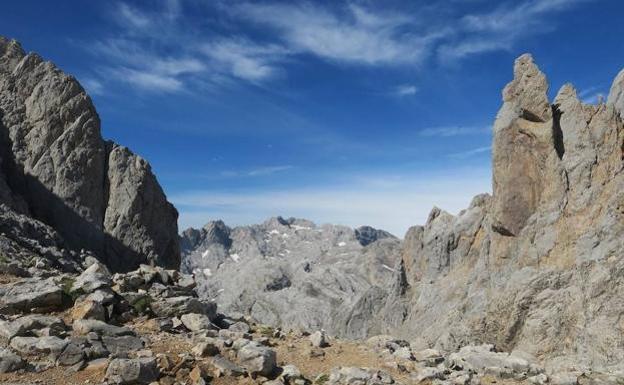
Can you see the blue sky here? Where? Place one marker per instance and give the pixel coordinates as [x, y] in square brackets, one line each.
[349, 112]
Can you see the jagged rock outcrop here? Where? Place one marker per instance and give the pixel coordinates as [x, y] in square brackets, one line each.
[537, 266]
[57, 169]
[288, 272]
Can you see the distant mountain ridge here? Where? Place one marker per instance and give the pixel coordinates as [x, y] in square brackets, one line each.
[288, 271]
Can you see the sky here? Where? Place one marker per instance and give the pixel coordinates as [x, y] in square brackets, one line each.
[345, 112]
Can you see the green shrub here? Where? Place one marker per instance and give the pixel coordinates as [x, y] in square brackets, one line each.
[320, 380]
[142, 305]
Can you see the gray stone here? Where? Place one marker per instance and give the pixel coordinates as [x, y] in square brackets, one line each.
[483, 357]
[28, 324]
[196, 322]
[93, 278]
[31, 294]
[257, 359]
[122, 345]
[177, 306]
[9, 361]
[319, 339]
[135, 371]
[39, 345]
[224, 367]
[239, 327]
[85, 326]
[71, 355]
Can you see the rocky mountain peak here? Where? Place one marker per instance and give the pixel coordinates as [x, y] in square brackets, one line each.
[526, 95]
[57, 169]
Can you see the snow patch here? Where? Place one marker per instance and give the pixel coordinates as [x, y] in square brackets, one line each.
[387, 267]
[207, 272]
[235, 257]
[205, 253]
[274, 232]
[341, 244]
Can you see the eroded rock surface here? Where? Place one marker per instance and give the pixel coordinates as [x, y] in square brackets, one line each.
[289, 272]
[57, 169]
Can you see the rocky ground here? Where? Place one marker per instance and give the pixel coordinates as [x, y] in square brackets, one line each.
[149, 327]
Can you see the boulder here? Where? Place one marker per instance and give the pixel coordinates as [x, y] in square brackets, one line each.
[71, 355]
[28, 324]
[196, 322]
[85, 326]
[88, 309]
[177, 306]
[93, 278]
[9, 361]
[52, 346]
[31, 294]
[318, 339]
[224, 367]
[483, 358]
[132, 371]
[122, 345]
[257, 359]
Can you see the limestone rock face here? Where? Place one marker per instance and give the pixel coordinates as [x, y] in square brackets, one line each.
[535, 268]
[289, 272]
[57, 169]
[526, 151]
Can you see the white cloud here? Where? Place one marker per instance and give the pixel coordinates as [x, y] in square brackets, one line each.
[448, 131]
[592, 95]
[260, 171]
[501, 28]
[405, 90]
[393, 206]
[469, 153]
[133, 16]
[144, 69]
[358, 36]
[93, 86]
[243, 59]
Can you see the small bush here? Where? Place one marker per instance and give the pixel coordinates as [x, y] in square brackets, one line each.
[320, 380]
[142, 305]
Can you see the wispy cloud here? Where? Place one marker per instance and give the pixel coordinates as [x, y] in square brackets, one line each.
[93, 86]
[166, 49]
[501, 28]
[144, 69]
[448, 131]
[469, 153]
[392, 206]
[405, 90]
[243, 59]
[259, 171]
[592, 95]
[355, 35]
[133, 16]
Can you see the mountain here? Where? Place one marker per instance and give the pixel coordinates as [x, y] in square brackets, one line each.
[57, 170]
[536, 267]
[288, 272]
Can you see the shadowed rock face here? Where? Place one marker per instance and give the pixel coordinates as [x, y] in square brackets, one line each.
[57, 168]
